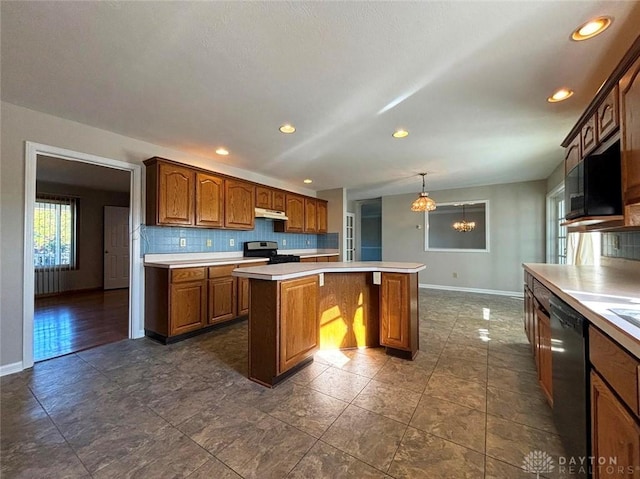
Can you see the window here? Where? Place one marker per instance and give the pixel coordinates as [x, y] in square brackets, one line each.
[556, 233]
[440, 235]
[54, 233]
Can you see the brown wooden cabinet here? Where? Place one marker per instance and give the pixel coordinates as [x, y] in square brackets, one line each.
[615, 433]
[294, 209]
[188, 301]
[544, 357]
[209, 200]
[322, 218]
[170, 194]
[630, 114]
[608, 115]
[572, 155]
[279, 200]
[310, 215]
[264, 197]
[243, 289]
[398, 311]
[299, 327]
[222, 299]
[239, 204]
[309, 259]
[588, 137]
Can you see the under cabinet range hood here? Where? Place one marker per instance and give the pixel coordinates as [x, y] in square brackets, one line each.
[270, 214]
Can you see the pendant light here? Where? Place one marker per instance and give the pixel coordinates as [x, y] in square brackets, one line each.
[464, 226]
[423, 202]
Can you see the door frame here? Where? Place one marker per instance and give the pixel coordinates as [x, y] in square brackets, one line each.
[136, 286]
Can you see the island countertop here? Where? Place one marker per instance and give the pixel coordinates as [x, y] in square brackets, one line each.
[285, 271]
[594, 291]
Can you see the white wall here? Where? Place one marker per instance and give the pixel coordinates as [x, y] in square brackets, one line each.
[19, 125]
[556, 177]
[516, 222]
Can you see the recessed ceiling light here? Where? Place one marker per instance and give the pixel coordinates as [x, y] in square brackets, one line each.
[560, 95]
[308, 180]
[222, 151]
[400, 133]
[287, 128]
[591, 29]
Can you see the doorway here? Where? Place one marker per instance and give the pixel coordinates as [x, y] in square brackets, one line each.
[65, 305]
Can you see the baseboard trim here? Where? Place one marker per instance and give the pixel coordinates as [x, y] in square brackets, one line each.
[11, 368]
[514, 294]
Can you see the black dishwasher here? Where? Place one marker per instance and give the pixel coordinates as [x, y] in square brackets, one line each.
[571, 398]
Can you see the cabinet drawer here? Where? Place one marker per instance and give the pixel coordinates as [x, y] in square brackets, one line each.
[221, 271]
[542, 294]
[187, 274]
[616, 366]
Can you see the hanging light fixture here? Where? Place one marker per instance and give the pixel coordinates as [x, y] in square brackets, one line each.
[464, 226]
[423, 202]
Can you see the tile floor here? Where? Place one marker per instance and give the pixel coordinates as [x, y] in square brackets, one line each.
[468, 407]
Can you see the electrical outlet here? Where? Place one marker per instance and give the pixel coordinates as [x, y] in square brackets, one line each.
[183, 242]
[209, 242]
[232, 242]
[284, 242]
[455, 275]
[308, 242]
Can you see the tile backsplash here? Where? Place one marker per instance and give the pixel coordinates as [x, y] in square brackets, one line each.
[163, 239]
[621, 245]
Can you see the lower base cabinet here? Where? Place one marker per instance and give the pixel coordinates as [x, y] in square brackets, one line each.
[182, 301]
[299, 327]
[544, 357]
[398, 312]
[615, 433]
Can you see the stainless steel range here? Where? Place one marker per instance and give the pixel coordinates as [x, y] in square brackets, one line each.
[268, 249]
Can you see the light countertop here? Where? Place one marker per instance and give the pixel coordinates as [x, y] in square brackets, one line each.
[593, 291]
[195, 260]
[284, 271]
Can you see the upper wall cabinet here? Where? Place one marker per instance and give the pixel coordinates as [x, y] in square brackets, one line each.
[279, 200]
[630, 106]
[294, 209]
[209, 200]
[310, 215]
[239, 204]
[322, 215]
[608, 116]
[170, 194]
[264, 197]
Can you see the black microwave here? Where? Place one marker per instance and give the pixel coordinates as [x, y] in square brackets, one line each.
[594, 187]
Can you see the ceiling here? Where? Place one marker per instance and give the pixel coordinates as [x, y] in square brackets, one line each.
[468, 80]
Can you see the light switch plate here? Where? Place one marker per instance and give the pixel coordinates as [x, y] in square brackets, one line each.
[183, 242]
[377, 277]
[232, 242]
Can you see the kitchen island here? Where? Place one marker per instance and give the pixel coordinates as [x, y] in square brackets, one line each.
[297, 308]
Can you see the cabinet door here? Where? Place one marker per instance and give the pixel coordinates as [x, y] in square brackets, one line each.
[589, 139]
[608, 119]
[243, 290]
[299, 321]
[239, 208]
[209, 200]
[295, 213]
[545, 368]
[175, 195]
[188, 307]
[264, 197]
[222, 299]
[279, 202]
[572, 155]
[630, 118]
[394, 310]
[614, 432]
[311, 259]
[322, 216]
[310, 215]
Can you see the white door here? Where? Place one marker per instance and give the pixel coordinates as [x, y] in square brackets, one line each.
[116, 247]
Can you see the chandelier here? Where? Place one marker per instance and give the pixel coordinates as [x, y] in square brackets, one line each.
[423, 202]
[464, 226]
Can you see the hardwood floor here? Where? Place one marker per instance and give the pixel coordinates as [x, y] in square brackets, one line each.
[70, 323]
